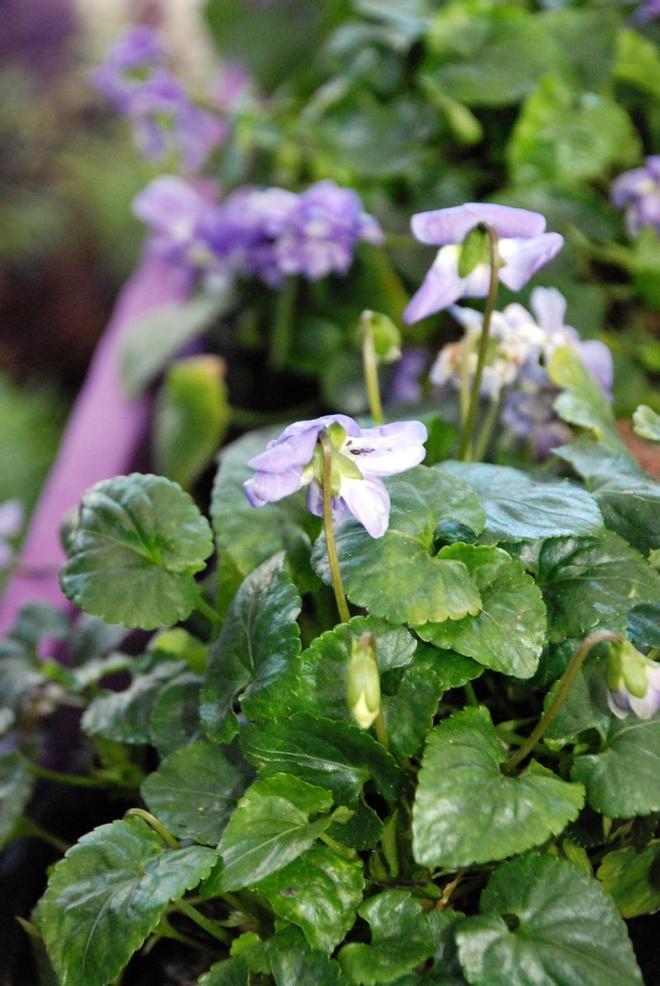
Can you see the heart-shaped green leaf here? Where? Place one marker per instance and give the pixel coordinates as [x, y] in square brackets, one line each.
[134, 552]
[466, 811]
[631, 878]
[398, 576]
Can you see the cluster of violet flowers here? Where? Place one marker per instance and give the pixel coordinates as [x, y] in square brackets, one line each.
[167, 124]
[264, 233]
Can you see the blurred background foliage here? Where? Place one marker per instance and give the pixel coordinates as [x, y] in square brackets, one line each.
[415, 103]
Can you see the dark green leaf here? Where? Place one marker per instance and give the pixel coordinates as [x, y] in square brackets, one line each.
[294, 963]
[174, 718]
[155, 337]
[518, 508]
[319, 891]
[16, 783]
[270, 828]
[335, 755]
[509, 633]
[195, 790]
[545, 922]
[125, 716]
[401, 938]
[466, 811]
[108, 893]
[585, 706]
[567, 138]
[133, 556]
[191, 417]
[229, 972]
[398, 576]
[622, 779]
[583, 401]
[633, 879]
[260, 640]
[644, 625]
[592, 581]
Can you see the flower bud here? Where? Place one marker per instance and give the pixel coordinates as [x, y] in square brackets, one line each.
[363, 681]
[633, 682]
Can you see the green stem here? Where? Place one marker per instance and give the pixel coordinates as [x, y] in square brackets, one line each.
[468, 428]
[331, 544]
[589, 642]
[157, 826]
[208, 611]
[165, 930]
[370, 364]
[209, 926]
[26, 826]
[337, 846]
[73, 779]
[381, 730]
[487, 428]
[282, 329]
[470, 695]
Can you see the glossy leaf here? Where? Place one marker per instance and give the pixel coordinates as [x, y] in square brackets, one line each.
[293, 962]
[137, 545]
[174, 720]
[108, 893]
[191, 418]
[632, 879]
[229, 972]
[545, 922]
[319, 891]
[401, 938]
[270, 827]
[465, 808]
[509, 632]
[398, 576]
[195, 790]
[591, 581]
[518, 508]
[583, 402]
[126, 716]
[330, 754]
[622, 779]
[259, 641]
[16, 783]
[585, 707]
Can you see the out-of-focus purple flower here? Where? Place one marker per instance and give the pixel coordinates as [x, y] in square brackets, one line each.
[633, 683]
[549, 307]
[360, 456]
[648, 10]
[523, 248]
[638, 193]
[37, 35]
[405, 383]
[128, 66]
[165, 120]
[180, 221]
[323, 231]
[12, 518]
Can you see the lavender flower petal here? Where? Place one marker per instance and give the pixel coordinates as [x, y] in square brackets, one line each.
[523, 258]
[442, 226]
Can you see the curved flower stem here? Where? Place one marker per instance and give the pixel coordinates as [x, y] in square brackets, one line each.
[589, 642]
[282, 328]
[370, 365]
[210, 927]
[381, 730]
[157, 826]
[331, 544]
[75, 780]
[211, 614]
[466, 439]
[26, 826]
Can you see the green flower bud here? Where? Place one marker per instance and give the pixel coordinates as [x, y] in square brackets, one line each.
[386, 336]
[627, 668]
[363, 681]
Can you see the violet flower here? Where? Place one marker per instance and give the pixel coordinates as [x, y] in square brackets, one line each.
[638, 193]
[633, 683]
[165, 120]
[360, 456]
[323, 231]
[180, 221]
[12, 518]
[648, 10]
[523, 248]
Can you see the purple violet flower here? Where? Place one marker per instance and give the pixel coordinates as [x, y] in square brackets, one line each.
[137, 82]
[360, 457]
[12, 518]
[648, 10]
[323, 231]
[405, 383]
[180, 220]
[523, 248]
[638, 193]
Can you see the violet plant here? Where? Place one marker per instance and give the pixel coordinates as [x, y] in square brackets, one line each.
[449, 777]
